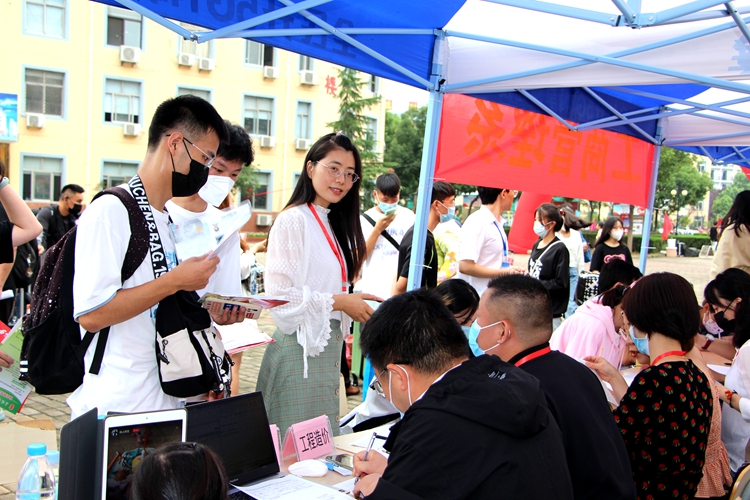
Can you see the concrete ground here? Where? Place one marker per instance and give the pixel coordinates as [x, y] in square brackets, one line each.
[695, 270]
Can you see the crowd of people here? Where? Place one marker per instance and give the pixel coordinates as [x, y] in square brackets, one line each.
[502, 382]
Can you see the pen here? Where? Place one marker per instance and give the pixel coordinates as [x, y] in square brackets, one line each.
[367, 452]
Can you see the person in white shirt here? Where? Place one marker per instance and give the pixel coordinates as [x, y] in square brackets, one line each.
[315, 248]
[230, 158]
[570, 236]
[379, 269]
[483, 247]
[183, 138]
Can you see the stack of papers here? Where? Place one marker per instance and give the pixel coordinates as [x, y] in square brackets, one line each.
[216, 304]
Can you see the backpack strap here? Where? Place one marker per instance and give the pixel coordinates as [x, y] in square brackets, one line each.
[134, 256]
[383, 233]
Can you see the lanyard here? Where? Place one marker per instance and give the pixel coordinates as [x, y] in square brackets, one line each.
[668, 353]
[334, 248]
[533, 355]
[158, 257]
[505, 241]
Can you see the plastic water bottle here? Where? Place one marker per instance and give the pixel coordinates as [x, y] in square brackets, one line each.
[53, 457]
[36, 480]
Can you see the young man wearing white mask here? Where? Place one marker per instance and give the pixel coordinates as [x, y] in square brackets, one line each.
[387, 217]
[230, 159]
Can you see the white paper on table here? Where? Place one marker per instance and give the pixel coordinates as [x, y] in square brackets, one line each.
[723, 369]
[346, 486]
[291, 487]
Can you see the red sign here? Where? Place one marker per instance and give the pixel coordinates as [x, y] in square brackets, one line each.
[488, 144]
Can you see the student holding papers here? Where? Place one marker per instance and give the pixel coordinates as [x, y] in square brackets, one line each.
[315, 248]
[472, 428]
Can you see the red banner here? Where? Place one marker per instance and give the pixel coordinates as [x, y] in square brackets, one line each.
[488, 144]
[522, 237]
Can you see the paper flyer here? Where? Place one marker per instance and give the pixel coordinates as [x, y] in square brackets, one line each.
[239, 337]
[205, 235]
[255, 304]
[13, 392]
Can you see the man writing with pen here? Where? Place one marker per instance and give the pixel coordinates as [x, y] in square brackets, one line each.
[471, 428]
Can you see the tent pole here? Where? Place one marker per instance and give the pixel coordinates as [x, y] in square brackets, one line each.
[646, 236]
[427, 170]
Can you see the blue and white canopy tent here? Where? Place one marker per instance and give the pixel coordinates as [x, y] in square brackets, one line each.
[671, 72]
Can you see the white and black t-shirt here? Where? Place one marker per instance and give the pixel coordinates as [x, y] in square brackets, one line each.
[550, 265]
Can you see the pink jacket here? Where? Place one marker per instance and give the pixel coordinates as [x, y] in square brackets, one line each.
[589, 332]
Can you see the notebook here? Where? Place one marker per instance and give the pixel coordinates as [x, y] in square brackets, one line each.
[237, 430]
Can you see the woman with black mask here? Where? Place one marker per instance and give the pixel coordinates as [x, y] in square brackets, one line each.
[727, 296]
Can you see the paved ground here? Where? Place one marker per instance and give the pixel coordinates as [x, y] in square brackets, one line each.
[694, 270]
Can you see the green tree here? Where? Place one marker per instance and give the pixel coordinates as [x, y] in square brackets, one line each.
[246, 182]
[353, 123]
[723, 202]
[677, 172]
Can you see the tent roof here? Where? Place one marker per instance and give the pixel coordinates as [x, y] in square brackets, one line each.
[614, 64]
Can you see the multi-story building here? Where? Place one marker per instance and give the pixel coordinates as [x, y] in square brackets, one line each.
[89, 77]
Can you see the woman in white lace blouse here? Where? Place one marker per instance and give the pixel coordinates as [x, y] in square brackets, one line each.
[315, 248]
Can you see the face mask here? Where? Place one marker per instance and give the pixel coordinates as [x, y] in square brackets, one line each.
[640, 344]
[187, 185]
[216, 188]
[539, 229]
[466, 330]
[616, 234]
[726, 325]
[449, 216]
[474, 334]
[76, 209]
[710, 325]
[387, 208]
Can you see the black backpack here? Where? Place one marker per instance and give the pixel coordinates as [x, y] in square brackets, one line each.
[52, 352]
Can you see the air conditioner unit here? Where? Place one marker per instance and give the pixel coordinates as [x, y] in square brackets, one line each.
[206, 64]
[131, 129]
[308, 78]
[263, 220]
[270, 72]
[186, 59]
[35, 120]
[129, 54]
[303, 144]
[267, 141]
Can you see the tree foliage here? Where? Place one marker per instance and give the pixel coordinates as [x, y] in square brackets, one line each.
[723, 202]
[246, 182]
[677, 172]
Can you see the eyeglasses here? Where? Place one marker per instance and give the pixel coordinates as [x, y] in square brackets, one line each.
[338, 172]
[208, 160]
[376, 386]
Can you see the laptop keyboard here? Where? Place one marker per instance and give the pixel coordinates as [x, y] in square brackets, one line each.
[238, 495]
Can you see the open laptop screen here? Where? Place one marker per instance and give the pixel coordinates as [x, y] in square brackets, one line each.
[237, 430]
[127, 441]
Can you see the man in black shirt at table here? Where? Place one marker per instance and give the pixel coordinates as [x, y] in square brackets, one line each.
[515, 318]
[442, 208]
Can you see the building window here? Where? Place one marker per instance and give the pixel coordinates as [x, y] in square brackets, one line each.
[45, 91]
[306, 63]
[124, 27]
[42, 178]
[258, 196]
[122, 101]
[205, 49]
[374, 84]
[258, 115]
[258, 54]
[202, 93]
[303, 126]
[371, 132]
[46, 17]
[116, 173]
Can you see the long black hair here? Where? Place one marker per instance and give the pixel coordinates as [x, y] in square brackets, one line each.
[732, 284]
[344, 215]
[739, 214]
[570, 219]
[607, 229]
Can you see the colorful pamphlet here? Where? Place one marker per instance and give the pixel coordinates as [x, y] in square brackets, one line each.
[13, 392]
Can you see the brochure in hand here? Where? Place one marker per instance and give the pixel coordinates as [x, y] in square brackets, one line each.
[13, 392]
[205, 235]
[216, 304]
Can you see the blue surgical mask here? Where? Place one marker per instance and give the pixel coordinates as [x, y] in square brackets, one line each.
[449, 216]
[466, 330]
[474, 334]
[640, 344]
[387, 208]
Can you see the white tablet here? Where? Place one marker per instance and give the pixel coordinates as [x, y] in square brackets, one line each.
[128, 439]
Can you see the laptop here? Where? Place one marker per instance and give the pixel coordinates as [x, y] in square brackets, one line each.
[237, 430]
[127, 439]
